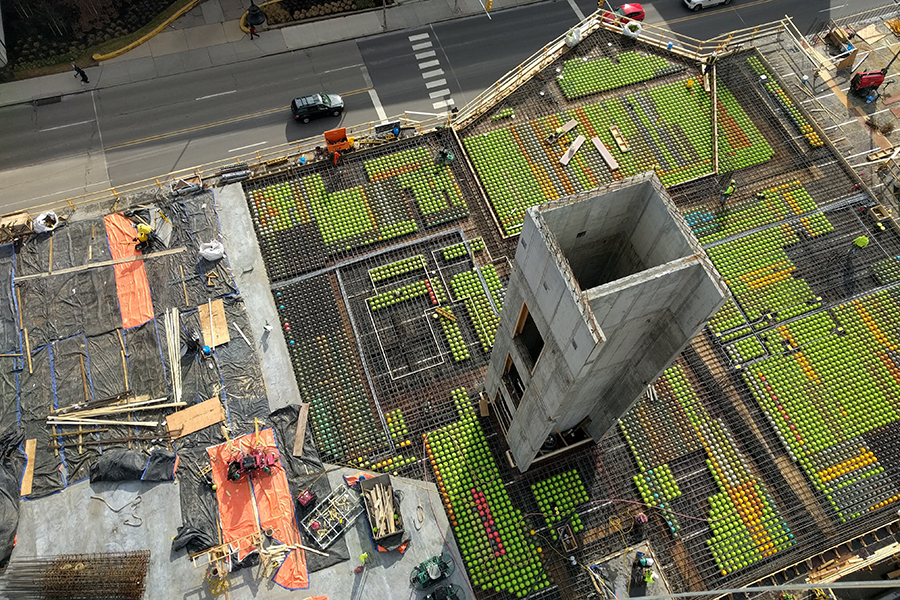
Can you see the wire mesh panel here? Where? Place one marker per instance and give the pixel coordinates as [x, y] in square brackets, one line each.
[103, 576]
[766, 442]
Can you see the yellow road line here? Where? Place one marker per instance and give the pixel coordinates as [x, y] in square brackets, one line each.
[269, 111]
[702, 13]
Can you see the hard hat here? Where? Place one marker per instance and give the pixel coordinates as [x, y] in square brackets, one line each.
[144, 229]
[732, 181]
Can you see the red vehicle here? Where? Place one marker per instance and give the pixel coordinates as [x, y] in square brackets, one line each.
[622, 14]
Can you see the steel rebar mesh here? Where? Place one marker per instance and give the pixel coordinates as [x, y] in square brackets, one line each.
[379, 379]
[102, 576]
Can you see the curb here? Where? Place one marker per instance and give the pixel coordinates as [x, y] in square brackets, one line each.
[61, 94]
[145, 38]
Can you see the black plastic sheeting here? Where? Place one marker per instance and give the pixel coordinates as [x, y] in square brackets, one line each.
[11, 464]
[199, 508]
[302, 473]
[35, 401]
[9, 329]
[67, 304]
[121, 464]
[69, 362]
[8, 391]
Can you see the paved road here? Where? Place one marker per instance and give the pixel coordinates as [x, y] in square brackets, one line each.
[146, 129]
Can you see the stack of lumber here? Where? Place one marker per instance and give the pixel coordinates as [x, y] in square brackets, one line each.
[381, 503]
[99, 412]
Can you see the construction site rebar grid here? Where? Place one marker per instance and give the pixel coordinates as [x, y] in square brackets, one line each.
[103, 576]
[790, 397]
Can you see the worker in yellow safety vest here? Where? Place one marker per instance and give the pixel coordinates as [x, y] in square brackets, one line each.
[726, 195]
[859, 243]
[143, 236]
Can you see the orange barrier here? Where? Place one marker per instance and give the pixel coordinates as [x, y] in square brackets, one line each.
[264, 494]
[132, 287]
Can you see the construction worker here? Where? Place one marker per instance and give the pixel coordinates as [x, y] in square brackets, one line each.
[144, 232]
[710, 61]
[860, 242]
[726, 194]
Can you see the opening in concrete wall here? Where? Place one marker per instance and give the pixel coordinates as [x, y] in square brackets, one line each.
[513, 381]
[528, 336]
[628, 232]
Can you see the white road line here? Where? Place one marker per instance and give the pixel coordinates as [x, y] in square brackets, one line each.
[435, 83]
[430, 74]
[339, 69]
[250, 146]
[832, 8]
[577, 10]
[373, 95]
[417, 47]
[429, 64]
[424, 55]
[70, 125]
[216, 95]
[417, 37]
[438, 94]
[443, 103]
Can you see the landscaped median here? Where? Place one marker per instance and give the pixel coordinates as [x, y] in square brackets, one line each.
[149, 30]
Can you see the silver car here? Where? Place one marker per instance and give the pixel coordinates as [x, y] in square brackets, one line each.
[698, 4]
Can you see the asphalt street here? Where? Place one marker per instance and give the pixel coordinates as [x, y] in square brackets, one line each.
[147, 129]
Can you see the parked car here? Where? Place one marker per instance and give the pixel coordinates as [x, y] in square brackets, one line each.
[306, 108]
[627, 12]
[698, 4]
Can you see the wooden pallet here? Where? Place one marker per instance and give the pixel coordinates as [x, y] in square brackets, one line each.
[620, 139]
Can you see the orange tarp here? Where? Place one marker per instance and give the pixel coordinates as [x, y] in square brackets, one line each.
[132, 287]
[274, 504]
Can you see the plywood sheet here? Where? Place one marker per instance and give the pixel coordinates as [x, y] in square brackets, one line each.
[195, 418]
[301, 429]
[28, 477]
[565, 158]
[219, 334]
[871, 34]
[611, 162]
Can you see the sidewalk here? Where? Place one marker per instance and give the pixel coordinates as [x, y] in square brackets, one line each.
[210, 35]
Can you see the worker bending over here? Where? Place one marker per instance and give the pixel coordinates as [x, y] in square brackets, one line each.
[144, 233]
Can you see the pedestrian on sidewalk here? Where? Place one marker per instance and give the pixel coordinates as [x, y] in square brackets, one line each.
[253, 32]
[79, 72]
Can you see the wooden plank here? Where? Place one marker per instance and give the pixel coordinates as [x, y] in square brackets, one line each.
[611, 162]
[28, 350]
[124, 361]
[483, 409]
[19, 306]
[879, 154]
[219, 334]
[195, 418]
[184, 286]
[105, 263]
[569, 126]
[300, 434]
[28, 477]
[565, 158]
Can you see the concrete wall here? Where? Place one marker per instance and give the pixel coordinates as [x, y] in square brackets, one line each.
[652, 289]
